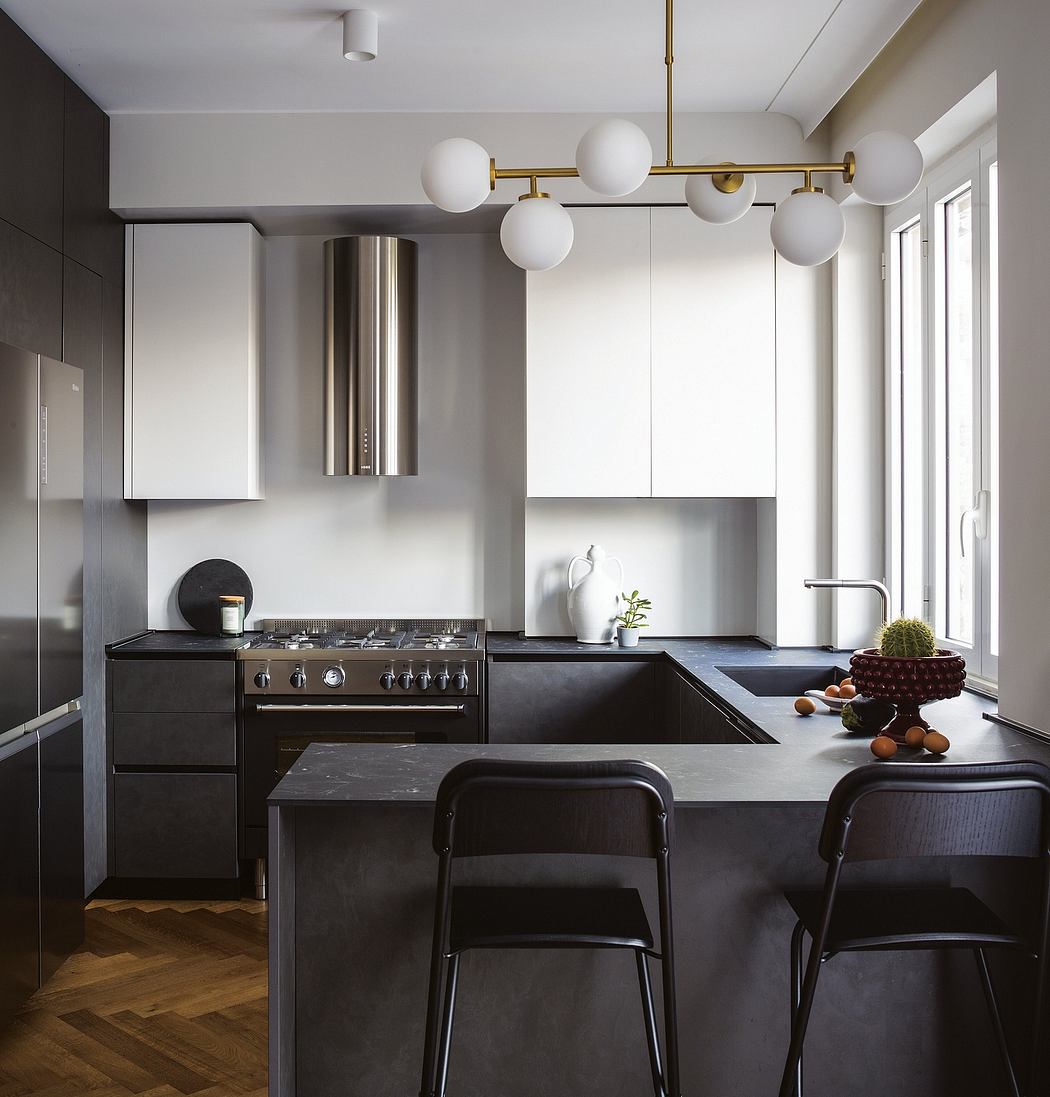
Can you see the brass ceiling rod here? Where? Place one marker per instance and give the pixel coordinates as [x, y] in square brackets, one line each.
[669, 62]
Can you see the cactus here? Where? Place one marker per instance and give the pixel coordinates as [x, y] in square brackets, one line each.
[907, 638]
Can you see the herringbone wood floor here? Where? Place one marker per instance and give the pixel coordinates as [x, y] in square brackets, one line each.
[164, 998]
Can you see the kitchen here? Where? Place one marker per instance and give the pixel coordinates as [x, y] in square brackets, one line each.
[725, 479]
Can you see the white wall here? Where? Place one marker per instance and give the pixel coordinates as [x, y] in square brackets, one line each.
[694, 558]
[945, 50]
[445, 543]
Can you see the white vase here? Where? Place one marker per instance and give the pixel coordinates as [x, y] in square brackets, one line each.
[594, 599]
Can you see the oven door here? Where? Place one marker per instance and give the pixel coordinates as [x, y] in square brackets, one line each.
[277, 729]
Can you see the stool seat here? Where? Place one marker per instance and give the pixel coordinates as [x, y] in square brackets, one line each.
[548, 917]
[900, 918]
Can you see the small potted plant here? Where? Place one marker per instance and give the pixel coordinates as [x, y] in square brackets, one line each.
[632, 619]
[908, 669]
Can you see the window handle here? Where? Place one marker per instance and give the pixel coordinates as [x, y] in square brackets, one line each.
[977, 516]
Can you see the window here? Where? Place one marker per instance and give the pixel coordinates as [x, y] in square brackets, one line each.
[943, 430]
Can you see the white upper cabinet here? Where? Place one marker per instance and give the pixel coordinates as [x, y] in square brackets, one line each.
[714, 356]
[587, 332]
[193, 362]
[651, 359]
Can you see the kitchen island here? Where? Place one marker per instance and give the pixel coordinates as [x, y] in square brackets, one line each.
[352, 881]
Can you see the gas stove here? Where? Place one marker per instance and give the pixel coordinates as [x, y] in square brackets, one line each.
[364, 656]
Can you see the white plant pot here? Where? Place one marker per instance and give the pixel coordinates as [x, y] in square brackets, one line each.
[628, 637]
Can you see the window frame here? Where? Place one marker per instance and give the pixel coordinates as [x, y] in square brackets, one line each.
[970, 164]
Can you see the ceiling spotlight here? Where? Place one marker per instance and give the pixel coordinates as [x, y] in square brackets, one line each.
[360, 35]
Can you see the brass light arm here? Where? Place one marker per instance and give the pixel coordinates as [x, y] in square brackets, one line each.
[669, 62]
[843, 167]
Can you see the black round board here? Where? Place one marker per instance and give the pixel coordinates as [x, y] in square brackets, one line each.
[200, 588]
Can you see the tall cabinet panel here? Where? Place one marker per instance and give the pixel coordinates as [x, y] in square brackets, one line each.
[30, 136]
[30, 292]
[18, 488]
[587, 333]
[714, 356]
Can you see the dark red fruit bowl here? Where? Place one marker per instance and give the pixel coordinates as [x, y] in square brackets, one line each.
[908, 683]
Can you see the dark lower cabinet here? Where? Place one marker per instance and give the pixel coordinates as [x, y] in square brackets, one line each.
[61, 844]
[175, 825]
[19, 875]
[604, 700]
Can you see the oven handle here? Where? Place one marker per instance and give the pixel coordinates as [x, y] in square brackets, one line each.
[437, 710]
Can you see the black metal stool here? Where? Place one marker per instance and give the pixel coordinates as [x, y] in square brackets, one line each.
[488, 806]
[913, 809]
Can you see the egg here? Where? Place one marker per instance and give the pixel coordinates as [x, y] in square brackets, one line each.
[847, 690]
[935, 742]
[845, 682]
[831, 691]
[913, 737]
[882, 746]
[805, 706]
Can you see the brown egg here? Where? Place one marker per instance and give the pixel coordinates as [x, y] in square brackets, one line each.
[913, 737]
[845, 682]
[847, 691]
[805, 706]
[882, 746]
[935, 742]
[831, 691]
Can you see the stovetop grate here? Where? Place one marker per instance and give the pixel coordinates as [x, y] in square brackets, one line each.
[366, 624]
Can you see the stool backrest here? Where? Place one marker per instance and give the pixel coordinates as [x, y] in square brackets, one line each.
[924, 809]
[494, 806]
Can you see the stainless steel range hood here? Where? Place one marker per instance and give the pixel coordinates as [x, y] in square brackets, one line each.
[371, 412]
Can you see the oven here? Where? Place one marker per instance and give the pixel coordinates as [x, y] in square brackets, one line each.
[276, 729]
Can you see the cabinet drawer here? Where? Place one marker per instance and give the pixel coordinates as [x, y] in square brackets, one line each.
[175, 825]
[174, 685]
[174, 739]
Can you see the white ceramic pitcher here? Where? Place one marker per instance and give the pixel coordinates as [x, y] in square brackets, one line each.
[594, 599]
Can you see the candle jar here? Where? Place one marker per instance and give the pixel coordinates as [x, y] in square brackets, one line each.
[231, 614]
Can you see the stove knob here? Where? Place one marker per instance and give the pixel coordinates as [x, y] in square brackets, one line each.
[459, 681]
[262, 679]
[297, 679]
[441, 680]
[404, 680]
[386, 680]
[423, 680]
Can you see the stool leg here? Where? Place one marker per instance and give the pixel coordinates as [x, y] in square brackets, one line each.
[445, 1047]
[801, 1019]
[997, 1020]
[796, 994]
[652, 1037]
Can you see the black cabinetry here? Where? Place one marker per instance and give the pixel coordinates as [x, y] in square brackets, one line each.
[699, 716]
[173, 780]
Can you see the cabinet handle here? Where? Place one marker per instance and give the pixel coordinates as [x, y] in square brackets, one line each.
[431, 710]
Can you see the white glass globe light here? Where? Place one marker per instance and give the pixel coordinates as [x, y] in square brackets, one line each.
[715, 206]
[807, 228]
[536, 233]
[455, 175]
[888, 167]
[614, 157]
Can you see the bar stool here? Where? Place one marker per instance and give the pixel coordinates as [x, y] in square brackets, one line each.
[914, 809]
[490, 806]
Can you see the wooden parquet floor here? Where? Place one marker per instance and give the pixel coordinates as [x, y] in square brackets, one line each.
[163, 999]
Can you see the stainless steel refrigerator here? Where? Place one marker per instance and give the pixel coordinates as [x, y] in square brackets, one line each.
[41, 668]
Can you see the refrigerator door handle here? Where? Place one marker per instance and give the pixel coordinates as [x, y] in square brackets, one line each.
[43, 443]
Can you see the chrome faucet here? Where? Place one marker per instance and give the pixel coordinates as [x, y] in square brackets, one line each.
[872, 584]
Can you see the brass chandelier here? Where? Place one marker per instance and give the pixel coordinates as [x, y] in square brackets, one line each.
[614, 157]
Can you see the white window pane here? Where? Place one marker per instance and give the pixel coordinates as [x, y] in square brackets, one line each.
[993, 404]
[960, 442]
[912, 474]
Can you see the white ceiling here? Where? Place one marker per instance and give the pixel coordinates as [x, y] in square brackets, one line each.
[463, 55]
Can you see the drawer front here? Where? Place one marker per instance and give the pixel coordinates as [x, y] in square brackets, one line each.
[175, 825]
[174, 685]
[174, 739]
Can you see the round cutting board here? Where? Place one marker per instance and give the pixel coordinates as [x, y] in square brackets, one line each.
[201, 587]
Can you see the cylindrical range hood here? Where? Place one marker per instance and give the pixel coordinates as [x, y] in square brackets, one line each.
[371, 412]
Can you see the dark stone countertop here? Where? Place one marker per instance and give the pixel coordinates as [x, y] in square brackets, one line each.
[809, 757]
[182, 643]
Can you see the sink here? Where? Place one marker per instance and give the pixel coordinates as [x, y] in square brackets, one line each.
[784, 681]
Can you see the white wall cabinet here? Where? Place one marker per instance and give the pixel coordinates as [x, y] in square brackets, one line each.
[651, 359]
[587, 349]
[193, 362]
